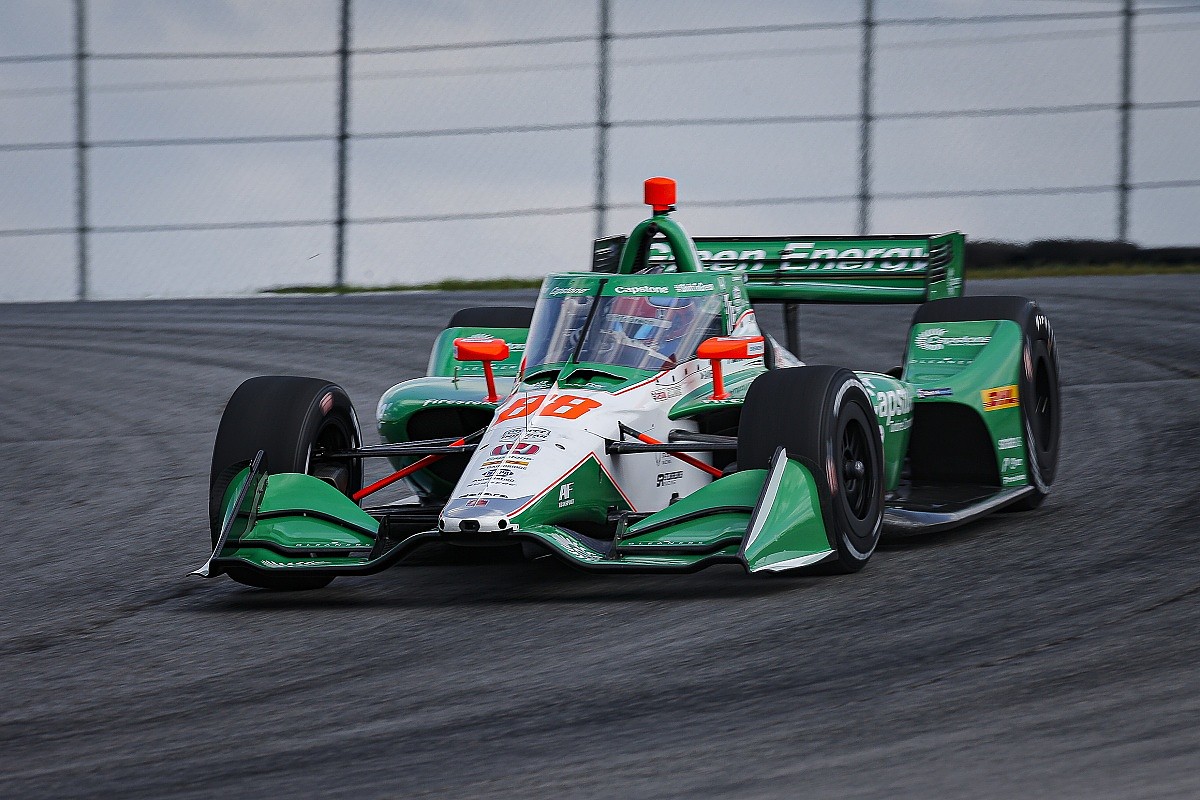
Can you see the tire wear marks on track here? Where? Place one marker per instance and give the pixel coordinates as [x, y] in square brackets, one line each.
[1042, 654]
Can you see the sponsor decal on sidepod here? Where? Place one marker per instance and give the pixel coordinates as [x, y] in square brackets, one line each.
[1000, 397]
[936, 339]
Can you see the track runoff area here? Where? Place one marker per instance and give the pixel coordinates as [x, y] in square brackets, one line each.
[1050, 653]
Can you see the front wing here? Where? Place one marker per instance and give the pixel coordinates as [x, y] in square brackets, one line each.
[766, 520]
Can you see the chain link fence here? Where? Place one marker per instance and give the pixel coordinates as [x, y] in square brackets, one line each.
[211, 148]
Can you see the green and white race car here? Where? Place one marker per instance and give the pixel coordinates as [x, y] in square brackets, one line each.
[638, 419]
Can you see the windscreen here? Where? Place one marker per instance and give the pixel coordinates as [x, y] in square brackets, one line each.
[556, 328]
[643, 332]
[653, 332]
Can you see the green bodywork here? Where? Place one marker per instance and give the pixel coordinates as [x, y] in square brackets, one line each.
[961, 362]
[591, 496]
[766, 519]
[304, 516]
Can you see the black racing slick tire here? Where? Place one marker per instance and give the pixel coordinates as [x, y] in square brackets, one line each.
[824, 417]
[1038, 387]
[288, 418]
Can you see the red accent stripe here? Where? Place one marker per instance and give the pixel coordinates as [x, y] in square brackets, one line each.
[400, 474]
[684, 457]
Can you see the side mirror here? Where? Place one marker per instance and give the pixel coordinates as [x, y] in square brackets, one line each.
[484, 349]
[730, 348]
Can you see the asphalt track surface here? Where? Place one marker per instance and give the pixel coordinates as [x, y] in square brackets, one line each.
[1047, 654]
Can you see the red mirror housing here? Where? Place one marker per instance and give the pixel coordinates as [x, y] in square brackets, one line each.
[480, 348]
[732, 348]
[485, 349]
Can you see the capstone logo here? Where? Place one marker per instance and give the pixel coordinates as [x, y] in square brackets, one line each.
[559, 291]
[936, 339]
[641, 290]
[891, 404]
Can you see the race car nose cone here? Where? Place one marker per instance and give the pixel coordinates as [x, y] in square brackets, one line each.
[478, 515]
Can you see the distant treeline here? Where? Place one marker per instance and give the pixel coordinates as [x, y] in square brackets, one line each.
[982, 255]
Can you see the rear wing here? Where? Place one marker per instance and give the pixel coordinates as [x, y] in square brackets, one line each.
[821, 269]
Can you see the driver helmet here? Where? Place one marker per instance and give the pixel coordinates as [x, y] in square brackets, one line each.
[653, 319]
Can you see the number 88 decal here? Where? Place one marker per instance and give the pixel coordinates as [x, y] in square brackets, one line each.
[566, 406]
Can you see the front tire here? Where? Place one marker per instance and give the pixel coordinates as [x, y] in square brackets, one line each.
[824, 416]
[289, 419]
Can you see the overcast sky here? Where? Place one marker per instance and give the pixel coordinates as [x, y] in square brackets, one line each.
[735, 76]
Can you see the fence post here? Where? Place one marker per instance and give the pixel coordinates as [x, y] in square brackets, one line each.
[343, 137]
[1126, 112]
[864, 135]
[81, 145]
[602, 124]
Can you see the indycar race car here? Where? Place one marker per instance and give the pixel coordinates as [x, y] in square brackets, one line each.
[637, 419]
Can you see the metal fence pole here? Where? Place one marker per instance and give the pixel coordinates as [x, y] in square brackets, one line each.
[1126, 113]
[81, 165]
[864, 140]
[602, 123]
[343, 139]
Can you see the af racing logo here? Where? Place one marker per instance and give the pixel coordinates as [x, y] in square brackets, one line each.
[1015, 469]
[564, 495]
[1000, 397]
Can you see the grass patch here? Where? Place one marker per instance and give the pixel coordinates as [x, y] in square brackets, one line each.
[981, 273]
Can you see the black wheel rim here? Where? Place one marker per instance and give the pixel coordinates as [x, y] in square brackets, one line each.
[858, 475]
[332, 437]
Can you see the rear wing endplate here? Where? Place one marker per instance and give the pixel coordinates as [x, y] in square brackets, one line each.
[822, 269]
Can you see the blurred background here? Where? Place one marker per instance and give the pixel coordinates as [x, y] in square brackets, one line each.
[176, 148]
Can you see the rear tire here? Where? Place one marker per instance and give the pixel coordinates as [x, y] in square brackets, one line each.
[1038, 386]
[824, 416]
[288, 418]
